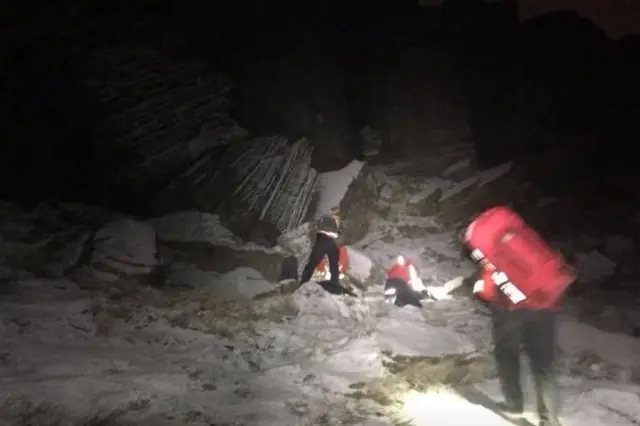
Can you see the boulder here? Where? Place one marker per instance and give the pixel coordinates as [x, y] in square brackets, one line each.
[332, 187]
[264, 182]
[298, 243]
[124, 248]
[201, 240]
[402, 334]
[240, 283]
[593, 266]
[362, 270]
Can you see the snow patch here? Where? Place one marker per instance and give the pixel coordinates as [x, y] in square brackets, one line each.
[241, 283]
[575, 337]
[125, 246]
[405, 332]
[494, 173]
[459, 187]
[460, 165]
[332, 186]
[603, 407]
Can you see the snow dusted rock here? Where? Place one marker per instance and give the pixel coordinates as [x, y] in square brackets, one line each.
[593, 266]
[404, 332]
[332, 187]
[266, 177]
[199, 247]
[298, 242]
[240, 283]
[46, 243]
[277, 180]
[314, 302]
[193, 226]
[358, 359]
[67, 255]
[124, 248]
[603, 406]
[362, 270]
[49, 307]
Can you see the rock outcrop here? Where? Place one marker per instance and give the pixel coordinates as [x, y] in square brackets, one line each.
[167, 112]
[124, 249]
[200, 250]
[265, 183]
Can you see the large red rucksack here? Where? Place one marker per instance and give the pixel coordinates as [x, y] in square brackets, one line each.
[533, 274]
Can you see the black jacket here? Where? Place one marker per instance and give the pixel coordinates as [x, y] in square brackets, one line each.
[323, 246]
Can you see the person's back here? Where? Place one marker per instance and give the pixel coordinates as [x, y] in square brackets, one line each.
[523, 303]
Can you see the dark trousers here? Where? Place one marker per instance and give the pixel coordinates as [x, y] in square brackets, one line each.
[535, 332]
[406, 296]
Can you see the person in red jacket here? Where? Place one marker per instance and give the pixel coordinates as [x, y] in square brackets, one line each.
[404, 285]
[523, 311]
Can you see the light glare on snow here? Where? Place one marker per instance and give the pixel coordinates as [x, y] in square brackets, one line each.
[445, 408]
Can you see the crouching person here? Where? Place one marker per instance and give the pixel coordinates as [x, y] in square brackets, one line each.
[404, 285]
[522, 280]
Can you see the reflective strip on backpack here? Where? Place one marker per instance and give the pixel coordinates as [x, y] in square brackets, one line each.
[508, 288]
[477, 255]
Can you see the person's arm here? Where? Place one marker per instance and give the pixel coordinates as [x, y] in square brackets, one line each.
[317, 252]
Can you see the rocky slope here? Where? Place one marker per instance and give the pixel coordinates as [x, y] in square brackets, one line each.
[109, 320]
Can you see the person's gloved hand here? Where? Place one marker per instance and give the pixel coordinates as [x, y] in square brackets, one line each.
[478, 286]
[426, 294]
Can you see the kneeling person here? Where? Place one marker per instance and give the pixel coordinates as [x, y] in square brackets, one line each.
[404, 285]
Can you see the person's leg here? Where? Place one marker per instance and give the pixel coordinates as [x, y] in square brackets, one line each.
[540, 344]
[391, 288]
[406, 296]
[507, 338]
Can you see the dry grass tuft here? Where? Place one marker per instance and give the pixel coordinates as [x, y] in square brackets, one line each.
[424, 374]
[229, 317]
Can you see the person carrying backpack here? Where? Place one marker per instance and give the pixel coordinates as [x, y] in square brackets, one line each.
[522, 279]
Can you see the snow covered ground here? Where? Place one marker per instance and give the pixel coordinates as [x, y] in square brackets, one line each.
[75, 346]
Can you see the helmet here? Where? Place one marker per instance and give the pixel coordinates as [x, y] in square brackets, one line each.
[400, 260]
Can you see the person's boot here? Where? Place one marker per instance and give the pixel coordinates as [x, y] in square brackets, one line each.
[549, 422]
[511, 409]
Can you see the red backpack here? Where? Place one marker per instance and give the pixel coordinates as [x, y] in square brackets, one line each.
[343, 264]
[533, 274]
